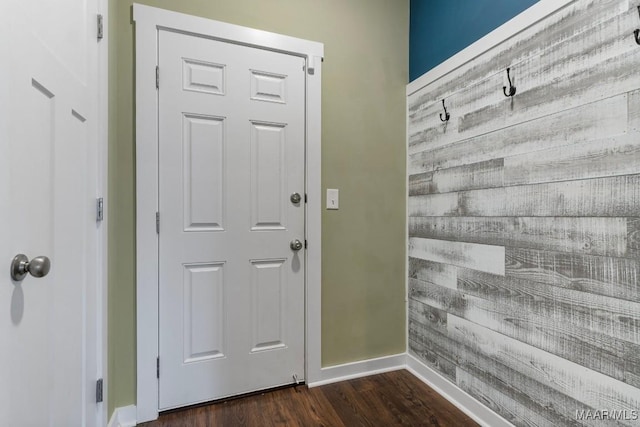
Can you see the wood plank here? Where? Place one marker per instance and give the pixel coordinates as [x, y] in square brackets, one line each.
[599, 65]
[433, 272]
[487, 174]
[569, 22]
[583, 384]
[346, 402]
[273, 412]
[402, 407]
[427, 315]
[499, 113]
[537, 320]
[602, 236]
[434, 360]
[427, 131]
[613, 156]
[307, 406]
[612, 316]
[615, 196]
[614, 277]
[426, 124]
[569, 79]
[448, 300]
[531, 392]
[605, 197]
[432, 353]
[559, 410]
[595, 121]
[470, 255]
[434, 205]
[633, 237]
[512, 409]
[392, 398]
[634, 112]
[403, 386]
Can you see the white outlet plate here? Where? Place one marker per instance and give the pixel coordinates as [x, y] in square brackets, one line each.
[333, 198]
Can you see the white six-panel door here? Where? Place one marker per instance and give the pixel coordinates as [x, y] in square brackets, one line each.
[48, 172]
[231, 154]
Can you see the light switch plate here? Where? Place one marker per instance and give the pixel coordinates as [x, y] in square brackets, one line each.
[333, 197]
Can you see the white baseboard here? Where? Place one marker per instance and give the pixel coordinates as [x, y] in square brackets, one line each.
[480, 413]
[123, 417]
[359, 369]
[460, 398]
[126, 416]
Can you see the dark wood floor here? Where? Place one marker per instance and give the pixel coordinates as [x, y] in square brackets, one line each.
[390, 399]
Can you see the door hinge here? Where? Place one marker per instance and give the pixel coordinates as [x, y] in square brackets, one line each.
[157, 222]
[99, 209]
[100, 34]
[99, 397]
[157, 77]
[158, 367]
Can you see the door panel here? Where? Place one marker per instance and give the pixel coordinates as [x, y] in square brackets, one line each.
[268, 176]
[268, 87]
[204, 307]
[204, 172]
[204, 77]
[231, 152]
[48, 159]
[268, 301]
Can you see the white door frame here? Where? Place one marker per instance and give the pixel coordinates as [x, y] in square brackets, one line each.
[102, 263]
[148, 21]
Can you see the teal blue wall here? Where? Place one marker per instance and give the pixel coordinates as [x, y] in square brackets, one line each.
[441, 28]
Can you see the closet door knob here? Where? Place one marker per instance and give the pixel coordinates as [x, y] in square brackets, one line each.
[37, 267]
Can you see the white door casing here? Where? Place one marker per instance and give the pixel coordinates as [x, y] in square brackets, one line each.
[49, 177]
[231, 152]
[148, 22]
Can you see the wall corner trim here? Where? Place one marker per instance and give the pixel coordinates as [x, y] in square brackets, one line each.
[124, 416]
[479, 412]
[517, 24]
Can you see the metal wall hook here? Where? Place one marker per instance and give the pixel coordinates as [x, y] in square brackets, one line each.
[512, 88]
[446, 114]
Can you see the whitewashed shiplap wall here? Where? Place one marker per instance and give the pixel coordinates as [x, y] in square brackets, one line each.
[524, 221]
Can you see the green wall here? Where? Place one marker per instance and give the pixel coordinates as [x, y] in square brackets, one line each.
[363, 154]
